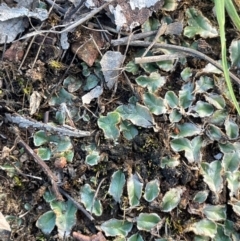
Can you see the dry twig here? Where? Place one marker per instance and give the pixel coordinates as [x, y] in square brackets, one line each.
[71, 26]
[61, 79]
[164, 57]
[79, 206]
[160, 32]
[189, 51]
[61, 130]
[56, 6]
[96, 237]
[52, 177]
[96, 193]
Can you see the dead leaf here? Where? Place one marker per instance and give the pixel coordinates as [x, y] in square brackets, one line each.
[130, 15]
[94, 93]
[60, 162]
[111, 62]
[31, 4]
[35, 100]
[3, 223]
[5, 152]
[10, 28]
[91, 4]
[119, 16]
[38, 73]
[96, 237]
[12, 20]
[86, 49]
[142, 4]
[15, 53]
[75, 2]
[8, 13]
[64, 40]
[175, 28]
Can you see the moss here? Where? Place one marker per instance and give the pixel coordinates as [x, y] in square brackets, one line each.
[56, 65]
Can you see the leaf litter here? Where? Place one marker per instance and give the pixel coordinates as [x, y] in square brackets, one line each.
[134, 147]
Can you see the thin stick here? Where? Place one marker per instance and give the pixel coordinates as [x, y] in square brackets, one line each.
[96, 30]
[72, 11]
[125, 54]
[30, 45]
[160, 32]
[89, 16]
[26, 53]
[56, 6]
[4, 46]
[103, 31]
[60, 130]
[122, 41]
[71, 26]
[61, 79]
[26, 175]
[37, 159]
[96, 193]
[150, 59]
[52, 177]
[39, 49]
[79, 206]
[131, 86]
[95, 44]
[84, 106]
[189, 51]
[105, 28]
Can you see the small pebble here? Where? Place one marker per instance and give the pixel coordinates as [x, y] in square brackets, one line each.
[60, 162]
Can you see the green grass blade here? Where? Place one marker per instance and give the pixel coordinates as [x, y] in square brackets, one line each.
[231, 10]
[220, 12]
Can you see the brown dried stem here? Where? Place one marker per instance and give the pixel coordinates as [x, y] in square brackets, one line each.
[52, 177]
[150, 59]
[189, 51]
[79, 206]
